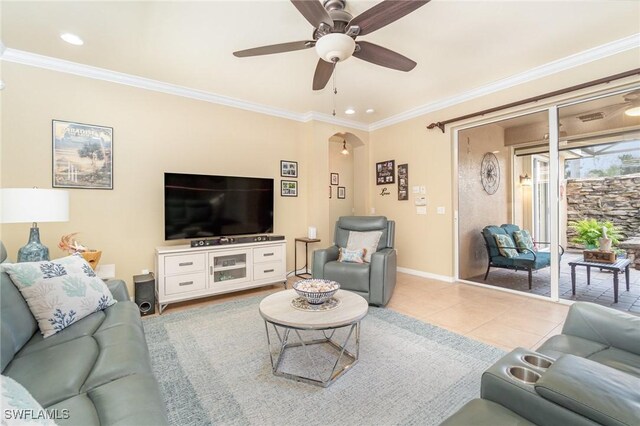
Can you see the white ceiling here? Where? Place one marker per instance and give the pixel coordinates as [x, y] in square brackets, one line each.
[458, 45]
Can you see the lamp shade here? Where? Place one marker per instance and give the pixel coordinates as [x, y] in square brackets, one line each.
[24, 205]
[335, 47]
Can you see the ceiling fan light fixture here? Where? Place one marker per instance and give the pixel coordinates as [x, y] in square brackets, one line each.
[335, 47]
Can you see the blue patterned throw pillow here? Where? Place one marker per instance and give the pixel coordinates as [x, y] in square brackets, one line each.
[59, 292]
[352, 256]
[523, 241]
[506, 245]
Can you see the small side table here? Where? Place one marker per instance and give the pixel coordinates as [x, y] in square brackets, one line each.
[306, 242]
[622, 265]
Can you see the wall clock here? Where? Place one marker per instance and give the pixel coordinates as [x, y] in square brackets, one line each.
[490, 173]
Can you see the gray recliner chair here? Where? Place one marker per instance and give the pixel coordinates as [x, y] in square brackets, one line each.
[374, 281]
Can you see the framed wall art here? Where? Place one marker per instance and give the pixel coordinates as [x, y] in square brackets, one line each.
[342, 194]
[335, 179]
[385, 172]
[288, 188]
[82, 155]
[403, 182]
[289, 168]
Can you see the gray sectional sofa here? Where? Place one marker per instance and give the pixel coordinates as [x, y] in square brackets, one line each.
[98, 368]
[588, 375]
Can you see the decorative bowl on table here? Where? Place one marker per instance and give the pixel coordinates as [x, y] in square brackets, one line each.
[316, 291]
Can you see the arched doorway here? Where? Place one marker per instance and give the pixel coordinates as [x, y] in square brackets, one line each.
[343, 190]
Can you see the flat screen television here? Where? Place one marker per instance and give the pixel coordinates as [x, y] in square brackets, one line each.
[200, 206]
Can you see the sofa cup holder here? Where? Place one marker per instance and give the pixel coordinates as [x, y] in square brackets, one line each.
[537, 361]
[523, 374]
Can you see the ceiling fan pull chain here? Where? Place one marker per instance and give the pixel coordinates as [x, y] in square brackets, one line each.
[335, 90]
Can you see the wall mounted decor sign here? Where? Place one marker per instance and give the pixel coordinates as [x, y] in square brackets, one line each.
[289, 168]
[288, 188]
[403, 182]
[385, 172]
[335, 179]
[82, 155]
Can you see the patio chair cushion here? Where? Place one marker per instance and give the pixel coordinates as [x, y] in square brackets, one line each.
[510, 228]
[525, 260]
[523, 240]
[506, 245]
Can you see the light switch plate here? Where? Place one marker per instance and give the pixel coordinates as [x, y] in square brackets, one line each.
[423, 190]
[421, 210]
[421, 201]
[441, 210]
[415, 189]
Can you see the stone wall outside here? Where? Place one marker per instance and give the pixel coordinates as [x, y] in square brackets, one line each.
[615, 199]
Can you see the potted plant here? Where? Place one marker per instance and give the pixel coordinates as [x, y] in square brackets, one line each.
[589, 232]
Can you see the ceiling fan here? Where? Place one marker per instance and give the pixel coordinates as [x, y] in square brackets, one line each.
[335, 32]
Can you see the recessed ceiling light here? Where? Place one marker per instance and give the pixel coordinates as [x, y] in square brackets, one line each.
[633, 112]
[72, 39]
[349, 111]
[371, 111]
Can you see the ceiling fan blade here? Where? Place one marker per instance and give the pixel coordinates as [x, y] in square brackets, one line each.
[384, 57]
[314, 12]
[384, 13]
[322, 75]
[274, 48]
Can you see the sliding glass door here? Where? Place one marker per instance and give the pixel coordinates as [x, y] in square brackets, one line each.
[550, 174]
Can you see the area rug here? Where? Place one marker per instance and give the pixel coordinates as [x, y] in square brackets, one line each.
[213, 367]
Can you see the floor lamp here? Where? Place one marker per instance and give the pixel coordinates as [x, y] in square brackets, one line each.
[33, 205]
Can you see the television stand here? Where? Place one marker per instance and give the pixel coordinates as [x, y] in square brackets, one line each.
[185, 273]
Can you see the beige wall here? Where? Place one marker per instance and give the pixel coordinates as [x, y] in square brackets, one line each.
[153, 133]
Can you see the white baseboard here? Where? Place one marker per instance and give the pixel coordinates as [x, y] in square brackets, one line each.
[423, 274]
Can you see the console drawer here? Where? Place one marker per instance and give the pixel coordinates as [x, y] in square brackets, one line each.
[184, 264]
[266, 270]
[185, 283]
[267, 254]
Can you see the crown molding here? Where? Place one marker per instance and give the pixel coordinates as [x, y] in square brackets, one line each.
[569, 62]
[60, 65]
[572, 61]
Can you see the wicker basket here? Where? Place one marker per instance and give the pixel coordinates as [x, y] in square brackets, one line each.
[92, 257]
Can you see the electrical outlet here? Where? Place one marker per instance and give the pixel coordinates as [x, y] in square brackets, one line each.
[440, 210]
[145, 271]
[373, 210]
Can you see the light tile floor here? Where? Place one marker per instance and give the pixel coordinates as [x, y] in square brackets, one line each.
[498, 318]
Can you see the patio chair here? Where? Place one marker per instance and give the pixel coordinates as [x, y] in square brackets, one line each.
[519, 258]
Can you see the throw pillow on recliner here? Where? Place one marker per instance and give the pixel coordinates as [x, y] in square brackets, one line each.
[59, 292]
[364, 240]
[351, 256]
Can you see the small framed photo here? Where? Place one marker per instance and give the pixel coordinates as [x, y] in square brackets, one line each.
[342, 192]
[330, 191]
[335, 179]
[288, 188]
[288, 168]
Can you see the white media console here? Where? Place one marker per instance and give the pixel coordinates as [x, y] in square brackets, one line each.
[184, 272]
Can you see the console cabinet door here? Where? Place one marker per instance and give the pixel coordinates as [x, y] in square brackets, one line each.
[232, 266]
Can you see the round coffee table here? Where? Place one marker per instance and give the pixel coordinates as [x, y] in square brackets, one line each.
[277, 311]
